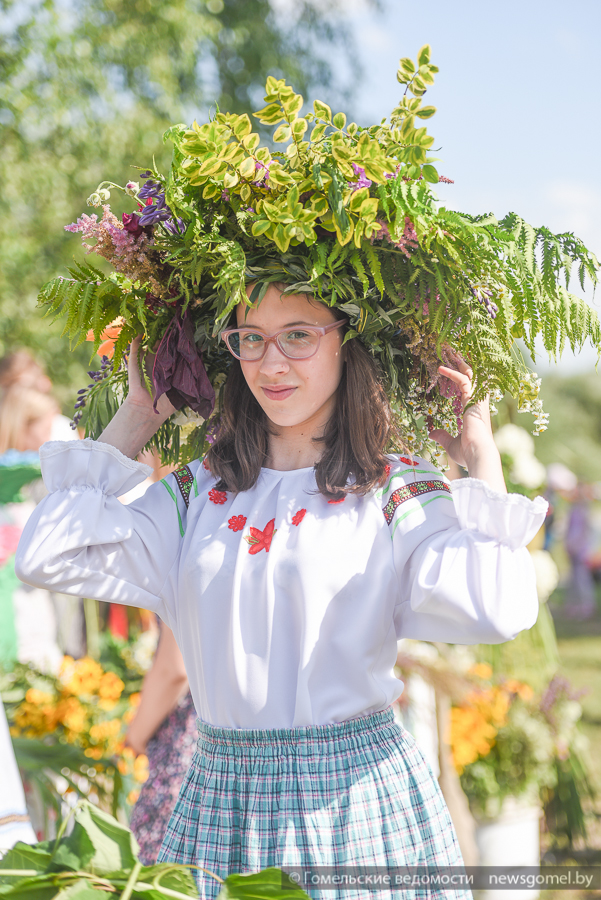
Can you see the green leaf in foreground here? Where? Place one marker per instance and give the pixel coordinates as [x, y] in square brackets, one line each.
[24, 856]
[81, 890]
[270, 882]
[38, 887]
[98, 843]
[99, 859]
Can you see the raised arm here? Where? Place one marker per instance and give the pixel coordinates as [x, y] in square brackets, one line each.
[459, 549]
[135, 422]
[81, 540]
[474, 448]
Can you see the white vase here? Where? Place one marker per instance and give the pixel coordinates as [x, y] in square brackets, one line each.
[511, 839]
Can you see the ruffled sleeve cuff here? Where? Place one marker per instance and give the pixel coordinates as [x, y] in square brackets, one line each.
[92, 465]
[511, 519]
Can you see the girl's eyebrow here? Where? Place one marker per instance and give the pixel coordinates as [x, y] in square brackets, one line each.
[289, 325]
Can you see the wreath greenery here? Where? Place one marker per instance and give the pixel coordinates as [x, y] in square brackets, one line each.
[342, 212]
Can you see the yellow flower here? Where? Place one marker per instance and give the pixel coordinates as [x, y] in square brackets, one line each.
[141, 768]
[93, 752]
[524, 691]
[481, 670]
[72, 715]
[475, 723]
[66, 663]
[471, 735]
[37, 714]
[107, 705]
[38, 697]
[81, 676]
[111, 686]
[105, 730]
[132, 797]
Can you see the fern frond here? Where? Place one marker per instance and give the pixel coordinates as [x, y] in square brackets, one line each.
[374, 264]
[359, 268]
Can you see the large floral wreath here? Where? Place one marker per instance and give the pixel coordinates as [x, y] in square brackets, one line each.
[342, 212]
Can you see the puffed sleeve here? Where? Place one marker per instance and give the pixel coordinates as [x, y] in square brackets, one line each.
[82, 540]
[459, 548]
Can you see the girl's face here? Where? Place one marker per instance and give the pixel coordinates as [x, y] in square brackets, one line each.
[293, 392]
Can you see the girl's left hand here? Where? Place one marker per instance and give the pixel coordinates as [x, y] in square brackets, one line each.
[474, 448]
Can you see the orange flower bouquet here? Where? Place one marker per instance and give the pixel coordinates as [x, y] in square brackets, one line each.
[506, 740]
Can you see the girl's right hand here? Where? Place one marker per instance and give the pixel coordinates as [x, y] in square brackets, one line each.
[136, 420]
[138, 395]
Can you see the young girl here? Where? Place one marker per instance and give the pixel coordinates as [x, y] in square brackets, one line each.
[288, 564]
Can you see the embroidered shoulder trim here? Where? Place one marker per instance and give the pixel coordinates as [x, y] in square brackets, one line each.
[185, 480]
[408, 491]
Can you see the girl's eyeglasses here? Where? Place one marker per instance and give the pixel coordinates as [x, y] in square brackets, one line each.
[300, 342]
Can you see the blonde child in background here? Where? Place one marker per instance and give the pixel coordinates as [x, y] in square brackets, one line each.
[28, 622]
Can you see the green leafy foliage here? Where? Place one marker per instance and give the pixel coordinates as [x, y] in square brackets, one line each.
[90, 88]
[42, 761]
[99, 858]
[347, 214]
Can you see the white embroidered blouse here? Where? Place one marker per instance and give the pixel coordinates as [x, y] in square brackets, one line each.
[287, 607]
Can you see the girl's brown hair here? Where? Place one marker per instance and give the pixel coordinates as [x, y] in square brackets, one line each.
[353, 442]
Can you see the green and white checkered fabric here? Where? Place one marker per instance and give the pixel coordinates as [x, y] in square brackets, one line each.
[349, 794]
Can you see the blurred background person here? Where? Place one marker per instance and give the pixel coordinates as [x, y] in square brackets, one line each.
[26, 419]
[27, 615]
[164, 728]
[580, 593]
[21, 369]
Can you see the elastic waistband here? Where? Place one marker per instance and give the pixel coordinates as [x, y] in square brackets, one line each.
[304, 738]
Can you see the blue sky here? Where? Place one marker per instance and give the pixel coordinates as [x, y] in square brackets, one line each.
[519, 106]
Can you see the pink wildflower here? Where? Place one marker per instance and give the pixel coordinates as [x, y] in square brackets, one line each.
[408, 240]
[262, 171]
[86, 224]
[362, 182]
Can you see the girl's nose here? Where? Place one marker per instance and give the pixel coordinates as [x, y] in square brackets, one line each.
[274, 361]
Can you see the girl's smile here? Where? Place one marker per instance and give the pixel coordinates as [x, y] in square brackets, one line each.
[278, 391]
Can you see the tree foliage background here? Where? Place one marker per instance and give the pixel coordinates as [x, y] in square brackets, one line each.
[87, 88]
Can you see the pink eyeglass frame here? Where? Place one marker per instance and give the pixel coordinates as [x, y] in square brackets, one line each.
[268, 338]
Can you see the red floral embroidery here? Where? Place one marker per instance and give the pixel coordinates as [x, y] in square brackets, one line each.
[298, 517]
[216, 496]
[408, 462]
[236, 523]
[342, 499]
[261, 540]
[205, 465]
[387, 471]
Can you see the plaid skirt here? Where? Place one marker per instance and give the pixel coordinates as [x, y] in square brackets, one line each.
[352, 794]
